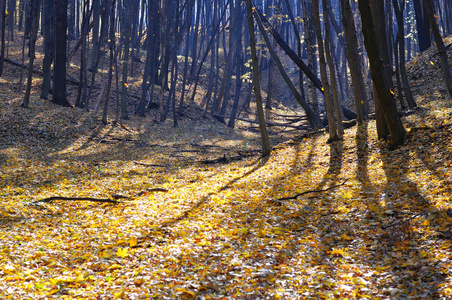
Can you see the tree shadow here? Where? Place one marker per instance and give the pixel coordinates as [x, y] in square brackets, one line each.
[403, 203]
[203, 200]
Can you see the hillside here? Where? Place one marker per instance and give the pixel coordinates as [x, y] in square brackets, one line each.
[194, 212]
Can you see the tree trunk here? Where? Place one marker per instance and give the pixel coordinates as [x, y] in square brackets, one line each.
[95, 32]
[112, 46]
[399, 9]
[354, 60]
[332, 124]
[439, 44]
[11, 10]
[266, 149]
[83, 76]
[333, 78]
[35, 7]
[422, 25]
[59, 78]
[309, 29]
[49, 47]
[128, 7]
[377, 60]
[2, 51]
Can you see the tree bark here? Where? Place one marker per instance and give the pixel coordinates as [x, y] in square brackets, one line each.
[34, 16]
[2, 51]
[333, 78]
[49, 47]
[59, 78]
[310, 41]
[377, 60]
[422, 25]
[112, 46]
[439, 44]
[354, 61]
[266, 149]
[332, 122]
[399, 9]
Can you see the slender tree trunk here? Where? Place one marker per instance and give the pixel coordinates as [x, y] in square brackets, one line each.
[95, 33]
[266, 149]
[128, 7]
[35, 8]
[59, 78]
[399, 9]
[354, 60]
[310, 45]
[112, 46]
[82, 88]
[11, 19]
[439, 44]
[422, 25]
[333, 78]
[298, 42]
[152, 54]
[187, 48]
[2, 51]
[376, 59]
[332, 125]
[49, 47]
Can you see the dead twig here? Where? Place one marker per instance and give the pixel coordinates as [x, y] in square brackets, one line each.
[152, 190]
[308, 192]
[50, 199]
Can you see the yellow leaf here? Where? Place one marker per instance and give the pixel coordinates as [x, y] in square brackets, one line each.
[432, 63]
[244, 230]
[133, 242]
[186, 292]
[79, 278]
[121, 294]
[346, 237]
[53, 281]
[122, 252]
[339, 252]
[54, 291]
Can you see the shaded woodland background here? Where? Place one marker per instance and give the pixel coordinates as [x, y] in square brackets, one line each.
[133, 56]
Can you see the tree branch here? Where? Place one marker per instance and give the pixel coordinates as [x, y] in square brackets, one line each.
[309, 191]
[50, 199]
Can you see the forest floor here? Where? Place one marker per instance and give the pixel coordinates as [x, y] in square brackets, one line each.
[199, 214]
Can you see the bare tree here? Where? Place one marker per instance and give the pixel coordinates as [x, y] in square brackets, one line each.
[379, 77]
[266, 149]
[34, 17]
[430, 6]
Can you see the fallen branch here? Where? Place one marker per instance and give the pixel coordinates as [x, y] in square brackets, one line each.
[23, 66]
[152, 190]
[50, 199]
[267, 122]
[308, 192]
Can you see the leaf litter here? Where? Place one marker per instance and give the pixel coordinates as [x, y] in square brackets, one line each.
[185, 229]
